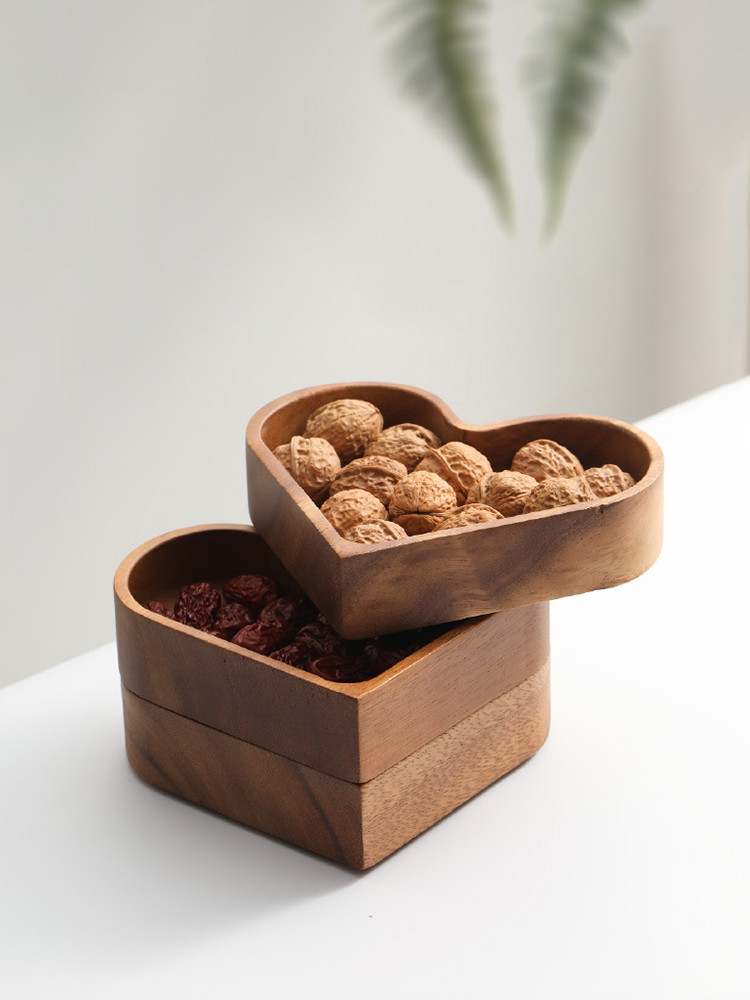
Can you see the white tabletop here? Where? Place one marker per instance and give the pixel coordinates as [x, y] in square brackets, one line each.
[614, 864]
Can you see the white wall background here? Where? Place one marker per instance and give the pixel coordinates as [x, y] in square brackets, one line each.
[208, 204]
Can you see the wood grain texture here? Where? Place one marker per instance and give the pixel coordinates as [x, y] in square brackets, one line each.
[244, 782]
[471, 571]
[351, 731]
[417, 792]
[355, 824]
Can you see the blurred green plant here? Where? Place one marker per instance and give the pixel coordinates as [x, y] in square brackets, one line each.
[439, 51]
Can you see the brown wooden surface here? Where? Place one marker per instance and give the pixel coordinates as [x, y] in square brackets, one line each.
[355, 824]
[415, 793]
[523, 560]
[351, 731]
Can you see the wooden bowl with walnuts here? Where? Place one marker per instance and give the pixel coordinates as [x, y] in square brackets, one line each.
[392, 513]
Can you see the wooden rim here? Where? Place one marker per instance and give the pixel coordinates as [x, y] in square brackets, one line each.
[356, 689]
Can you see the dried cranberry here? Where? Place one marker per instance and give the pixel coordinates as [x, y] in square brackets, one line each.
[381, 655]
[296, 654]
[197, 605]
[158, 608]
[231, 618]
[252, 590]
[367, 671]
[295, 609]
[263, 637]
[322, 638]
[336, 668]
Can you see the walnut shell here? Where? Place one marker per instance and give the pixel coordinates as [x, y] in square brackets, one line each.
[374, 473]
[351, 507]
[607, 480]
[544, 459]
[459, 464]
[506, 491]
[349, 425]
[418, 524]
[470, 513]
[419, 501]
[311, 462]
[374, 531]
[558, 493]
[406, 443]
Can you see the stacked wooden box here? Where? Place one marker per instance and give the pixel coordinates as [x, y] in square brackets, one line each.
[354, 771]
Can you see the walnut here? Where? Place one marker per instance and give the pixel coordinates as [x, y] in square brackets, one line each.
[374, 473]
[505, 491]
[352, 507]
[349, 424]
[406, 443]
[374, 531]
[312, 462]
[470, 513]
[419, 501]
[607, 480]
[558, 493]
[458, 464]
[543, 459]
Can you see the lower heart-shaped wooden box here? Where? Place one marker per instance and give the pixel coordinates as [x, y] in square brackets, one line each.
[351, 771]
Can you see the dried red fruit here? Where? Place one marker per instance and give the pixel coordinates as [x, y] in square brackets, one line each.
[296, 654]
[158, 608]
[380, 655]
[231, 618]
[322, 638]
[289, 629]
[251, 589]
[336, 668]
[197, 605]
[295, 609]
[263, 637]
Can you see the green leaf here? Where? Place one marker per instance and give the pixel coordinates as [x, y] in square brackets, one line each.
[567, 73]
[438, 49]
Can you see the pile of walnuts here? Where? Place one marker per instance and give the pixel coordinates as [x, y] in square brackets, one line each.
[376, 484]
[252, 611]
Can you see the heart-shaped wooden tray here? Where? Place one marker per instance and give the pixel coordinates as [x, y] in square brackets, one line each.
[367, 590]
[349, 731]
[348, 770]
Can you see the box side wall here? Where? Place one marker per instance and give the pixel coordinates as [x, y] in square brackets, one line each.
[233, 691]
[355, 824]
[460, 673]
[494, 566]
[244, 782]
[417, 792]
